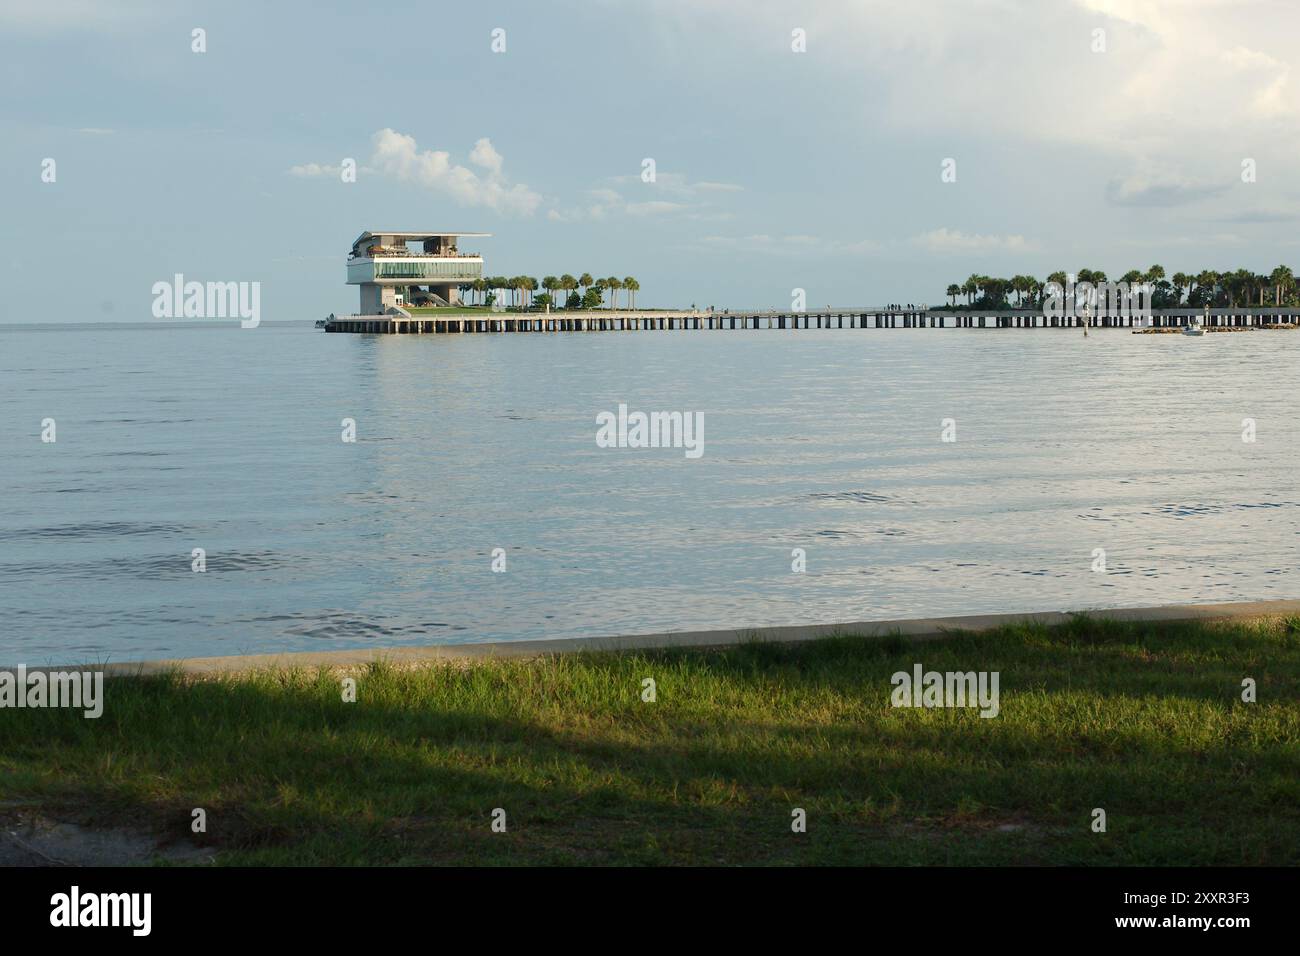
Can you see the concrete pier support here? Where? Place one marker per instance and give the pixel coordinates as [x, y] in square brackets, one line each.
[1246, 317]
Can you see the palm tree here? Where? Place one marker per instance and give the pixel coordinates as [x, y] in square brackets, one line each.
[1023, 286]
[479, 286]
[613, 284]
[567, 283]
[1207, 280]
[954, 290]
[1236, 284]
[1035, 291]
[550, 284]
[585, 282]
[1155, 274]
[1246, 280]
[1059, 278]
[631, 285]
[1282, 279]
[1182, 281]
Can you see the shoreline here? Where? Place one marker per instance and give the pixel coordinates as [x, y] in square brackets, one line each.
[916, 629]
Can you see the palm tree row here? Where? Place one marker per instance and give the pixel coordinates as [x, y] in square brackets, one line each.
[1239, 287]
[520, 289]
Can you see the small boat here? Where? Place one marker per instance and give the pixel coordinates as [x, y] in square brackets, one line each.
[1193, 330]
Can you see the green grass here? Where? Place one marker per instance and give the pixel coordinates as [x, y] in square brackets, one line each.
[1143, 720]
[448, 310]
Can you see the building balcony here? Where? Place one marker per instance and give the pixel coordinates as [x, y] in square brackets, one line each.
[415, 270]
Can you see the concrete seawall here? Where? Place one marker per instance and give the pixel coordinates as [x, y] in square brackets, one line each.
[919, 629]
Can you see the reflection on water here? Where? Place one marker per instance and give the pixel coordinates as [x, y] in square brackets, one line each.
[829, 441]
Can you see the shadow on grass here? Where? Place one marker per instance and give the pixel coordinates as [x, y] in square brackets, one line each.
[1143, 722]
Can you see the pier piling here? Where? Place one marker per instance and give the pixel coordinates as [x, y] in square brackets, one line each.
[1255, 317]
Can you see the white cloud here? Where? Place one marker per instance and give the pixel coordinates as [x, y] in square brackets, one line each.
[941, 241]
[1185, 82]
[655, 207]
[674, 184]
[78, 15]
[397, 157]
[944, 240]
[791, 245]
[483, 154]
[308, 170]
[669, 194]
[1150, 185]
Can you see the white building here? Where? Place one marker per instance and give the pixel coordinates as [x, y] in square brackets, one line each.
[392, 273]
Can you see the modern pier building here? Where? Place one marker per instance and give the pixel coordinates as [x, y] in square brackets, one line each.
[397, 269]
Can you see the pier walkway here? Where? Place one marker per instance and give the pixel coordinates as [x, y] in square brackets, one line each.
[609, 320]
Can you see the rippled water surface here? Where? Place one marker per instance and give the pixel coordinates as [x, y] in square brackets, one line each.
[229, 440]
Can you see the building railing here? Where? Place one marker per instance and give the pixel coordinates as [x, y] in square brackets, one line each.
[390, 252]
[417, 269]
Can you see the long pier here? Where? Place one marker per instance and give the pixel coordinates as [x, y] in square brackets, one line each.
[846, 318]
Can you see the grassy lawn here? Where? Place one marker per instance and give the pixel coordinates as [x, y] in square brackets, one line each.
[449, 310]
[1143, 720]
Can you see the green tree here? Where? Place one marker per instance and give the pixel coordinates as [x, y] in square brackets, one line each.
[567, 284]
[613, 284]
[1023, 286]
[1182, 282]
[1283, 280]
[1035, 291]
[1207, 281]
[632, 286]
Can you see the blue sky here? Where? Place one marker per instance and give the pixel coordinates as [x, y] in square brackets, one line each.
[775, 169]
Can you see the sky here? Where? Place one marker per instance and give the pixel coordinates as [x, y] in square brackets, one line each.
[795, 145]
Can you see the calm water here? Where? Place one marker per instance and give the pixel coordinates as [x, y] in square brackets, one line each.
[229, 440]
